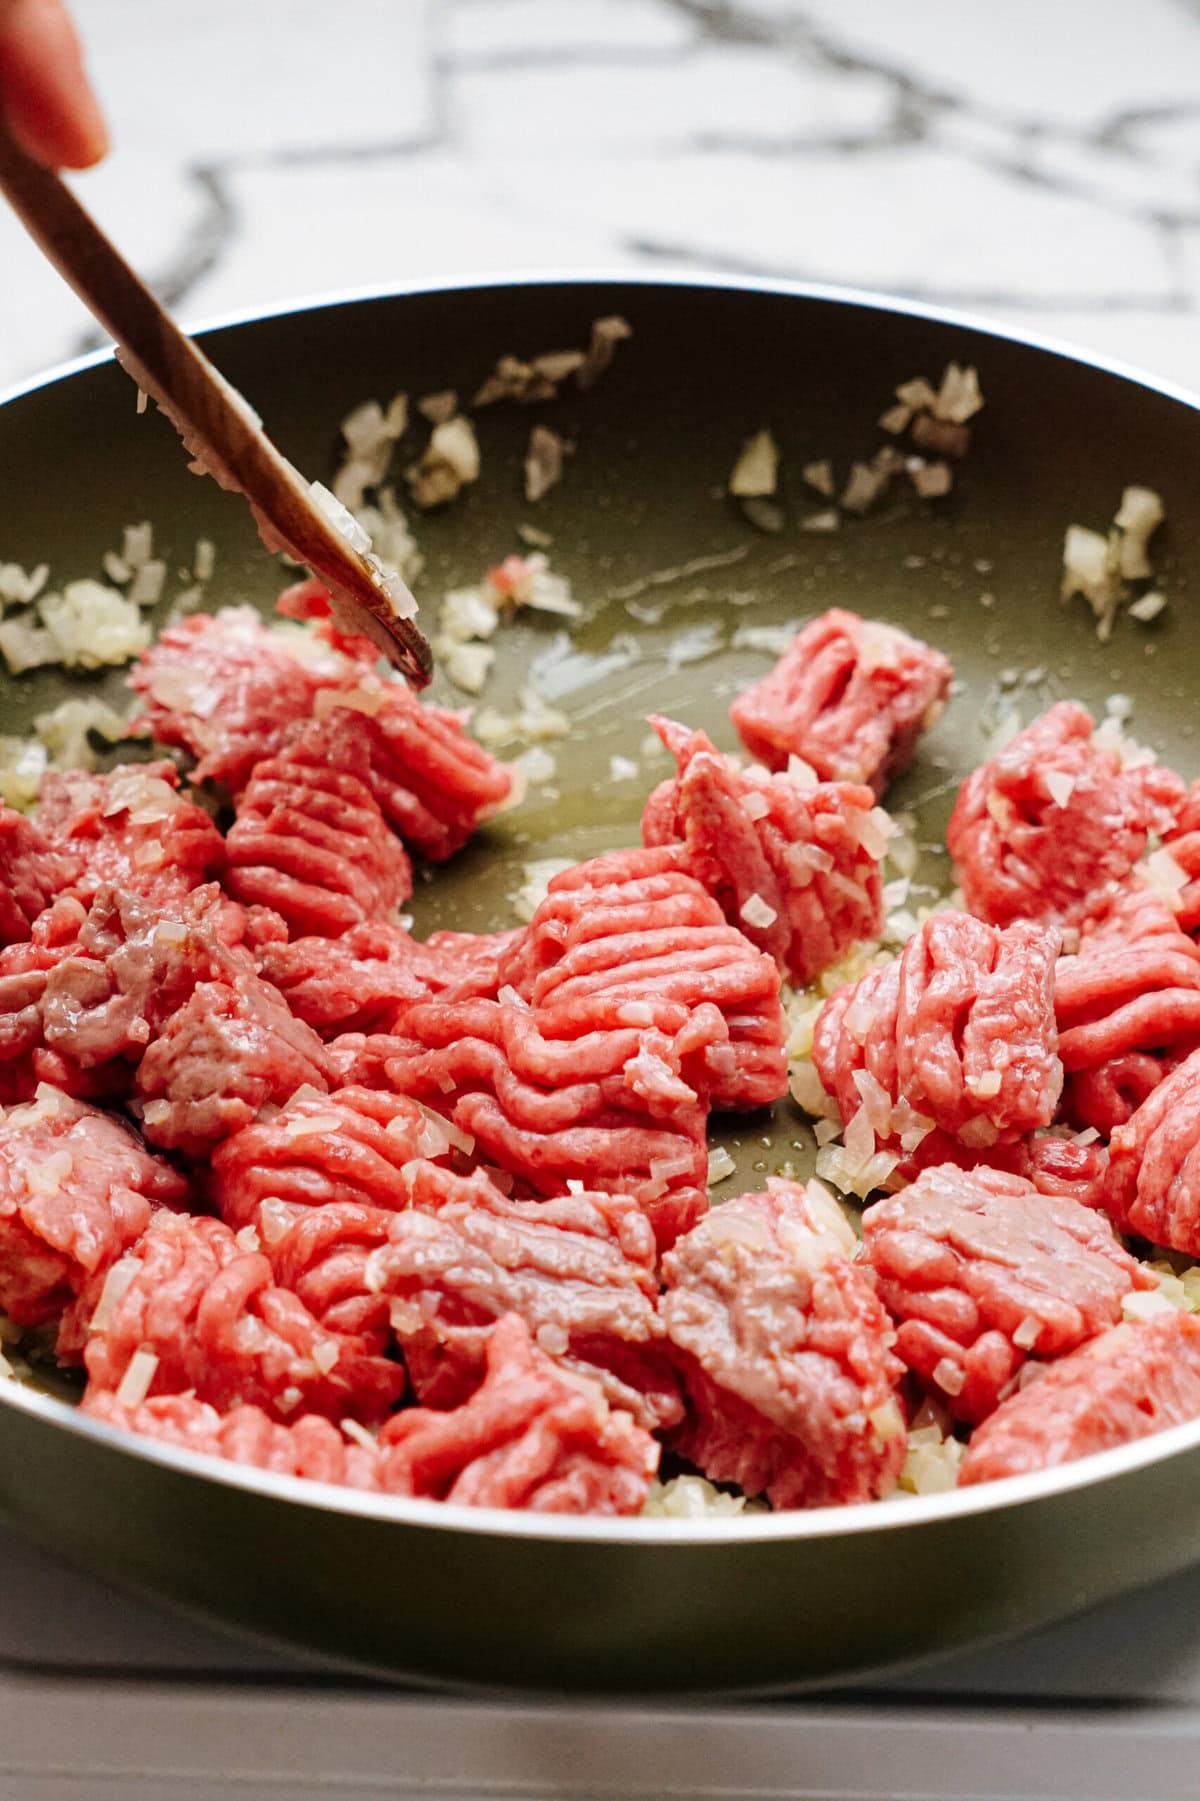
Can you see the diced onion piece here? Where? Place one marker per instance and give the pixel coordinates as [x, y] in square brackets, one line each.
[950, 1377]
[756, 471]
[959, 397]
[119, 1276]
[799, 773]
[720, 1165]
[1060, 786]
[1147, 607]
[135, 1384]
[755, 911]
[46, 1178]
[1162, 872]
[462, 1141]
[1145, 1304]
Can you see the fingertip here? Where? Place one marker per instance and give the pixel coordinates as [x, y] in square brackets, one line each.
[48, 101]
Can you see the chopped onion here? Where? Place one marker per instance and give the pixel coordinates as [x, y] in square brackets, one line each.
[120, 1275]
[950, 1377]
[135, 1384]
[757, 913]
[720, 1165]
[756, 472]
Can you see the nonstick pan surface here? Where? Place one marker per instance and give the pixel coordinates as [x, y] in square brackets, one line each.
[668, 573]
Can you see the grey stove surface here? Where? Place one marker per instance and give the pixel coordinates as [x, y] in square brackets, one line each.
[103, 1698]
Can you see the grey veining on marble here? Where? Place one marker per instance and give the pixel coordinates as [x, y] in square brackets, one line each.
[1035, 160]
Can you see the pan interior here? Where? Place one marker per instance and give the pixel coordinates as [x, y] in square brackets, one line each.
[677, 588]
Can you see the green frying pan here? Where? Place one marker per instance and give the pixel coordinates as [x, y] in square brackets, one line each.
[668, 572]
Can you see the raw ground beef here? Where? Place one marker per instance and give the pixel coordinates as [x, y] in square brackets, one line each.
[433, 782]
[486, 1153]
[309, 840]
[958, 1030]
[323, 1149]
[119, 971]
[212, 1315]
[626, 940]
[849, 696]
[321, 1255]
[360, 981]
[133, 829]
[796, 869]
[1131, 1381]
[579, 1270]
[227, 687]
[1128, 1009]
[785, 1351]
[32, 873]
[470, 961]
[76, 1189]
[309, 601]
[1055, 820]
[1183, 843]
[982, 1272]
[1059, 1165]
[531, 1436]
[608, 1109]
[218, 1060]
[1152, 1186]
[310, 1446]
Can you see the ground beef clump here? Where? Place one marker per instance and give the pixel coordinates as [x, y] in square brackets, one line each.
[309, 840]
[133, 829]
[609, 1109]
[310, 1446]
[323, 1150]
[32, 872]
[117, 973]
[432, 781]
[795, 868]
[1126, 1384]
[76, 1189]
[982, 1273]
[531, 1436]
[785, 1351]
[361, 981]
[579, 1270]
[1182, 843]
[849, 696]
[1055, 820]
[210, 1314]
[958, 1032]
[226, 1053]
[627, 940]
[1128, 1009]
[227, 687]
[1152, 1185]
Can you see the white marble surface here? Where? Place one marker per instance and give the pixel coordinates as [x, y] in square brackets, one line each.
[1035, 160]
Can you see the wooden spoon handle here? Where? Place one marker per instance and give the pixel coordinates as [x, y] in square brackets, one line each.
[216, 425]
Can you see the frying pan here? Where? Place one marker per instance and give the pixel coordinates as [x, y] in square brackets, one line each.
[668, 572]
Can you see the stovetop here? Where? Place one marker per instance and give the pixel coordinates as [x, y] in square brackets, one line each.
[103, 1698]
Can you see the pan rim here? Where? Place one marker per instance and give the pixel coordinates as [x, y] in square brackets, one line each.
[824, 1523]
[848, 1520]
[709, 280]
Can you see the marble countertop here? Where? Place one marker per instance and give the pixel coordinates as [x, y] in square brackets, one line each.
[1037, 161]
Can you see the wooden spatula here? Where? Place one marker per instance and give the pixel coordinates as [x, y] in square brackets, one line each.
[216, 425]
